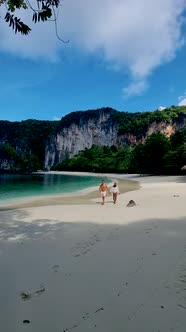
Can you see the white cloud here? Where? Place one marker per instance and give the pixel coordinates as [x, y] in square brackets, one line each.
[56, 118]
[182, 102]
[135, 36]
[134, 89]
[132, 33]
[161, 108]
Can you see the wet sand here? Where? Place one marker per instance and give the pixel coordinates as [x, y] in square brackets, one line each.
[86, 196]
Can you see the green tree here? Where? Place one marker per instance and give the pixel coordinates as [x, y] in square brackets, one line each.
[178, 138]
[156, 146]
[122, 160]
[39, 10]
[7, 152]
[138, 161]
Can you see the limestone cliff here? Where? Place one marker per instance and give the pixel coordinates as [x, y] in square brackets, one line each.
[34, 144]
[100, 128]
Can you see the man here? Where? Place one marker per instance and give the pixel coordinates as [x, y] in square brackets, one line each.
[103, 190]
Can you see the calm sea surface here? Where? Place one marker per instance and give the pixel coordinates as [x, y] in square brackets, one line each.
[20, 186]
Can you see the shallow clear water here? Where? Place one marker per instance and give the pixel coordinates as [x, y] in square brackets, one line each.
[21, 186]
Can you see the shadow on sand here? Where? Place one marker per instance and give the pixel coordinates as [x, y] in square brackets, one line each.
[139, 274]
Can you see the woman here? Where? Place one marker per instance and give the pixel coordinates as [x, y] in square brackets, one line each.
[115, 192]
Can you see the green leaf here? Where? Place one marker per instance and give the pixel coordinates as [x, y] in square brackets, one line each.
[16, 24]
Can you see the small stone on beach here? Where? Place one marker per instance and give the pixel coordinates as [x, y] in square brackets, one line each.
[131, 203]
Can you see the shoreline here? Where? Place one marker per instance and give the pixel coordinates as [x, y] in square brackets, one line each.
[83, 196]
[88, 195]
[154, 197]
[88, 267]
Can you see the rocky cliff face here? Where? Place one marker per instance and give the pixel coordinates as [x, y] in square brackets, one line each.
[166, 128]
[69, 141]
[6, 164]
[101, 130]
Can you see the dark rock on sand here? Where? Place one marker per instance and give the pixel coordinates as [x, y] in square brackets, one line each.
[131, 203]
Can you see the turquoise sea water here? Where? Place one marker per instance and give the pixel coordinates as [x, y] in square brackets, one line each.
[24, 186]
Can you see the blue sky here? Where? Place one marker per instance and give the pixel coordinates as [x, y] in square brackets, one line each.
[130, 67]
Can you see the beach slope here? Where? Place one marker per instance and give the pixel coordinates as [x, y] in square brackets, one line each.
[98, 268]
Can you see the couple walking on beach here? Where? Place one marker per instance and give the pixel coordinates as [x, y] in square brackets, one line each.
[103, 188]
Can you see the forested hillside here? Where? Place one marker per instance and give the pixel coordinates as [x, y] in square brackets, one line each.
[158, 155]
[23, 145]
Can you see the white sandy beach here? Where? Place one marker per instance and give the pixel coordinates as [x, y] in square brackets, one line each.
[97, 268]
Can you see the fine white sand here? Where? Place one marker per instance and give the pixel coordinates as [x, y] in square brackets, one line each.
[97, 268]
